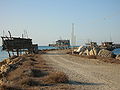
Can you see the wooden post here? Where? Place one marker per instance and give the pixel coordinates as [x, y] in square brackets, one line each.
[12, 52]
[9, 53]
[20, 52]
[17, 52]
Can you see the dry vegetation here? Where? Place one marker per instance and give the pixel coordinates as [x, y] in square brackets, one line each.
[33, 74]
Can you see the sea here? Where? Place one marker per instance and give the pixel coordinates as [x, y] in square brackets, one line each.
[4, 54]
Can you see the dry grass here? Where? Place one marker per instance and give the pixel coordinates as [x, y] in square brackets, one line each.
[8, 87]
[109, 60]
[89, 57]
[92, 57]
[29, 82]
[34, 73]
[32, 59]
[55, 77]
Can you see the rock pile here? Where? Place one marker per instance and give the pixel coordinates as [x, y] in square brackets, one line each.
[118, 57]
[105, 53]
[8, 65]
[95, 51]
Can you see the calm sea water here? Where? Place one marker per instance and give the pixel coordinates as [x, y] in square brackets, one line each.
[4, 54]
[46, 47]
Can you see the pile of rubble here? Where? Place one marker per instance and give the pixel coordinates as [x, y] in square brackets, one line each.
[95, 51]
[8, 65]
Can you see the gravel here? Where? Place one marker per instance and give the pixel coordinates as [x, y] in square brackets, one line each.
[85, 74]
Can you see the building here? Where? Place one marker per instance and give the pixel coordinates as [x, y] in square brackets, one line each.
[62, 44]
[92, 44]
[107, 44]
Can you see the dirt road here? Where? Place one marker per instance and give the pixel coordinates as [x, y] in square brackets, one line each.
[85, 74]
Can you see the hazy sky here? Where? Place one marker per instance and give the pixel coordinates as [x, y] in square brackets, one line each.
[47, 20]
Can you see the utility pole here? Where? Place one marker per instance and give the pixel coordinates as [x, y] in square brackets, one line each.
[73, 37]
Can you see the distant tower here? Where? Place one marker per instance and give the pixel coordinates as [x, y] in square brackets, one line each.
[73, 37]
[110, 38]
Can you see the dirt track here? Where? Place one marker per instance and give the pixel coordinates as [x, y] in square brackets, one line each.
[85, 74]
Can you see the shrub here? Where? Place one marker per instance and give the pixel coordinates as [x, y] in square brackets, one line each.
[56, 77]
[8, 87]
[34, 73]
[29, 82]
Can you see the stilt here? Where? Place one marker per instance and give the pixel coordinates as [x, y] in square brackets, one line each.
[9, 53]
[12, 52]
[20, 52]
[17, 52]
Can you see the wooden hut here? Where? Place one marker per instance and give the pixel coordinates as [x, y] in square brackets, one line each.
[62, 44]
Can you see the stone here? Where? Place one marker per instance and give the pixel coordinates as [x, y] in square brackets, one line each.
[118, 57]
[91, 52]
[86, 52]
[105, 53]
[1, 63]
[81, 48]
[1, 82]
[94, 51]
[7, 61]
[81, 53]
[5, 68]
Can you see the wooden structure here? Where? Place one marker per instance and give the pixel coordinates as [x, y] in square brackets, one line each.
[107, 44]
[91, 44]
[116, 45]
[62, 44]
[18, 45]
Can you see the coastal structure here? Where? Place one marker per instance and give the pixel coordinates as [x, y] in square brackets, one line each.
[62, 44]
[91, 44]
[104, 45]
[18, 45]
[108, 45]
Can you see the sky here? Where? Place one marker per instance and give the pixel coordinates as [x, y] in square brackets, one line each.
[46, 21]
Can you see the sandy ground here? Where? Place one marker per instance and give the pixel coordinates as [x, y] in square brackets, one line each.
[85, 74]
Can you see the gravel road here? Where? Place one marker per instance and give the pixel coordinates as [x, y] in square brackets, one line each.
[85, 74]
